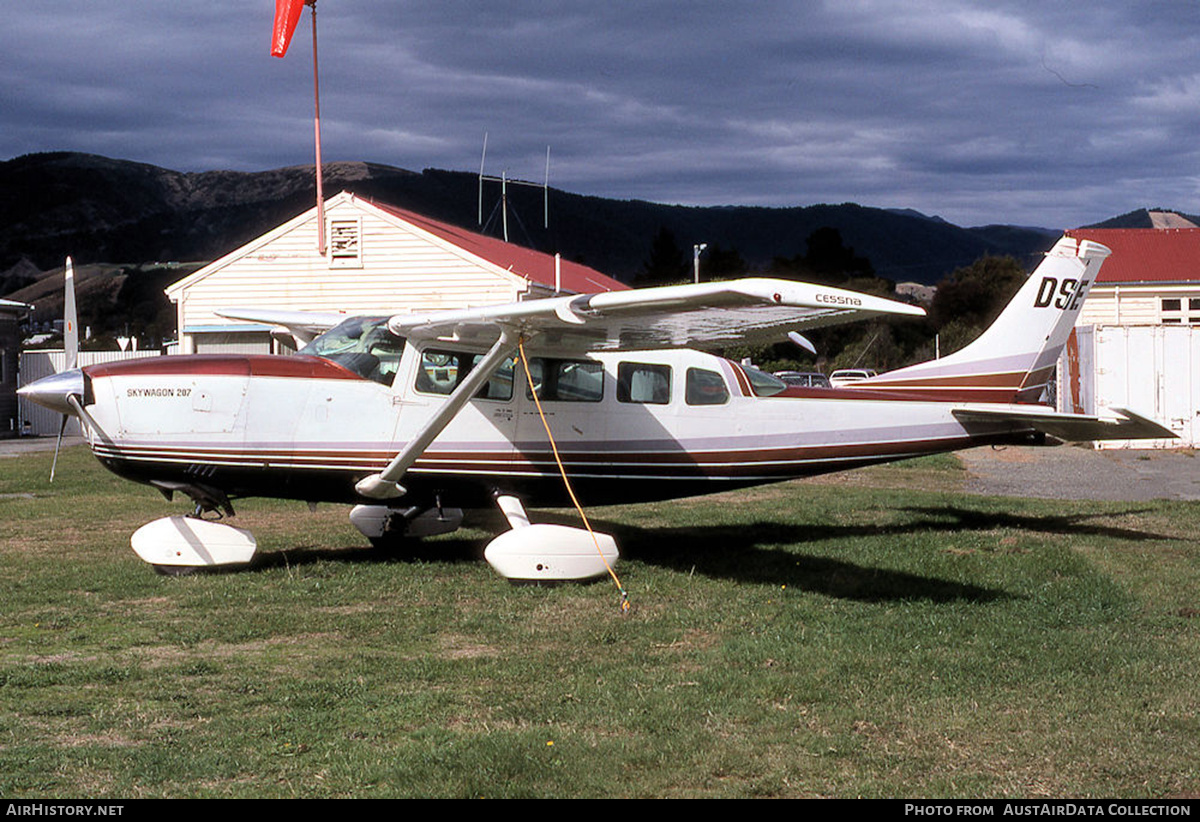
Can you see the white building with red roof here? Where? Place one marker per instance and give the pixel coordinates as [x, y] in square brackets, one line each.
[1152, 277]
[378, 259]
[1136, 344]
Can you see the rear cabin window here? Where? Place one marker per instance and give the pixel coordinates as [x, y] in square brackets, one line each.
[705, 388]
[566, 380]
[442, 371]
[643, 383]
[762, 383]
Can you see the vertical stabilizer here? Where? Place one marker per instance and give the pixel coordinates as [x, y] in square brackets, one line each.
[1012, 360]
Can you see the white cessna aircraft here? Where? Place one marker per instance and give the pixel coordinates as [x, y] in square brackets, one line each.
[411, 419]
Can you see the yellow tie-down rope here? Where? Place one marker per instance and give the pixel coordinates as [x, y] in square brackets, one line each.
[566, 481]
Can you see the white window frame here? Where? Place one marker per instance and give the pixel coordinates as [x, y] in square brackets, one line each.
[1188, 312]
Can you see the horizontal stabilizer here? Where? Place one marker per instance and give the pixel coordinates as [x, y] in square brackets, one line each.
[1123, 425]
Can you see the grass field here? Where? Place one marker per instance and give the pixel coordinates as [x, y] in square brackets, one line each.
[883, 636]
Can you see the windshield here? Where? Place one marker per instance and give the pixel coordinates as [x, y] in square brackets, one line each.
[363, 345]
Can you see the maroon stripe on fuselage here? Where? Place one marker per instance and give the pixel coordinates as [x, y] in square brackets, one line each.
[749, 462]
[299, 366]
[475, 481]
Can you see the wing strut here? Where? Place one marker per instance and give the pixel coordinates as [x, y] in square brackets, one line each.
[385, 485]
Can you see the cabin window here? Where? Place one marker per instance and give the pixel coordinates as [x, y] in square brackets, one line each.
[643, 383]
[762, 383]
[705, 388]
[566, 380]
[442, 371]
[345, 243]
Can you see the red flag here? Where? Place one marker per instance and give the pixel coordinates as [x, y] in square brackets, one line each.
[287, 15]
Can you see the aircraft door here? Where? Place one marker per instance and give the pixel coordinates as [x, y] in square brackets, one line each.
[479, 438]
[571, 392]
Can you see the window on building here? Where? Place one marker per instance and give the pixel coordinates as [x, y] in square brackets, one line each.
[1179, 310]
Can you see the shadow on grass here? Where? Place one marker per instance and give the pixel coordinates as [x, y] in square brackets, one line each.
[952, 518]
[749, 553]
[752, 553]
[456, 550]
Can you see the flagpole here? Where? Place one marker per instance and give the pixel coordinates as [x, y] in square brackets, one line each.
[317, 134]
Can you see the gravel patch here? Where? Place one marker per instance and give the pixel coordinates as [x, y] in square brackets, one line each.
[1075, 472]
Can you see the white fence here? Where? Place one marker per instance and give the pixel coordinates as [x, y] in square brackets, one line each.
[42, 422]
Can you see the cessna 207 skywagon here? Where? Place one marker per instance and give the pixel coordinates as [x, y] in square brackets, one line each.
[411, 419]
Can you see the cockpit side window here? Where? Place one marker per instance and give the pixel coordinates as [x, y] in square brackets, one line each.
[441, 371]
[363, 345]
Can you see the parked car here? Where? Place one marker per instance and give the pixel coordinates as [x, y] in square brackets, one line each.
[804, 379]
[844, 376]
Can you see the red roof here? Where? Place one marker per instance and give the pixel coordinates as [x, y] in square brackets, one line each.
[1146, 255]
[525, 262]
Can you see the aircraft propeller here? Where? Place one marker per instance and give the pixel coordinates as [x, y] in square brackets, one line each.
[70, 348]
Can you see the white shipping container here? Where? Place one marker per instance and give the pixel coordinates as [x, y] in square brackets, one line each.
[1149, 369]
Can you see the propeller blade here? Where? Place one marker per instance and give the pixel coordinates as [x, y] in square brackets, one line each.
[802, 341]
[70, 319]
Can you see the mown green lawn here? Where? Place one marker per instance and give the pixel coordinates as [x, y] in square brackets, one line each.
[881, 636]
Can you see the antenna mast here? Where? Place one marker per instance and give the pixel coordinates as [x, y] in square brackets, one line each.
[505, 182]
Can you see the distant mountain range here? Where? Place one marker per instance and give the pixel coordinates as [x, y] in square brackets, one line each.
[98, 209]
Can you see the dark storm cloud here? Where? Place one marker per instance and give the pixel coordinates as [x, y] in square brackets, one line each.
[996, 112]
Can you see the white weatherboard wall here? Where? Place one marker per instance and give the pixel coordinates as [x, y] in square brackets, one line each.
[1153, 370]
[1132, 304]
[397, 267]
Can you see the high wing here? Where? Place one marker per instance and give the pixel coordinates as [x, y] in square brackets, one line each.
[703, 316]
[1123, 424]
[304, 326]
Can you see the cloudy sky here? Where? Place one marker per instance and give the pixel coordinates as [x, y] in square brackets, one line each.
[1035, 113]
